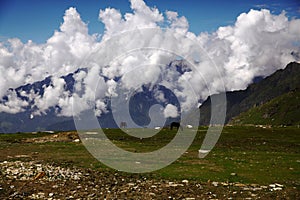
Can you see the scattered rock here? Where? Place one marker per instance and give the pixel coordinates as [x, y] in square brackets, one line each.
[278, 185]
[257, 189]
[272, 185]
[152, 194]
[46, 181]
[34, 171]
[224, 184]
[76, 140]
[172, 184]
[39, 175]
[60, 137]
[22, 156]
[239, 185]
[215, 183]
[276, 188]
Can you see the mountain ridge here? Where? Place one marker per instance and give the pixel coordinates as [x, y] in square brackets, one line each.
[282, 110]
[256, 94]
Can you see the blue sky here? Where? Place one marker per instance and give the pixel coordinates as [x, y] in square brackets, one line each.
[37, 19]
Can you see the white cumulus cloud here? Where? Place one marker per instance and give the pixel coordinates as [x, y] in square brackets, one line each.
[136, 49]
[170, 111]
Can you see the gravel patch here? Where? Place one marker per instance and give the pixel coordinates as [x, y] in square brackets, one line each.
[37, 180]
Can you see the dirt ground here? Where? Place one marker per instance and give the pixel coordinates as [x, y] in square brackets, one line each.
[32, 180]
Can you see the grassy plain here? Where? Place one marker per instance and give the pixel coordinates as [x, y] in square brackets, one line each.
[253, 154]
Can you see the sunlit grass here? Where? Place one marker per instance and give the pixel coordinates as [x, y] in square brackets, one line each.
[255, 155]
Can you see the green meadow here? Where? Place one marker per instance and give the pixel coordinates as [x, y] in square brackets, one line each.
[243, 154]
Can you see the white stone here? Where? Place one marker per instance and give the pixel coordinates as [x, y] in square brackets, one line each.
[185, 181]
[215, 183]
[278, 185]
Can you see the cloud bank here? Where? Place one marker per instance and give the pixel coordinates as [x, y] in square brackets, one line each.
[257, 44]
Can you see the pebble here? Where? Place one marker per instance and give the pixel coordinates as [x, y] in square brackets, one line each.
[272, 185]
[278, 185]
[215, 183]
[130, 184]
[224, 184]
[152, 194]
[199, 186]
[172, 184]
[276, 188]
[41, 194]
[117, 184]
[239, 185]
[33, 171]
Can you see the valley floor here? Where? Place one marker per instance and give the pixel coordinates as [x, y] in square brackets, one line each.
[247, 163]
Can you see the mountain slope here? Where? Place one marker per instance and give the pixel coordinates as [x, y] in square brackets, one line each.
[282, 110]
[281, 82]
[50, 120]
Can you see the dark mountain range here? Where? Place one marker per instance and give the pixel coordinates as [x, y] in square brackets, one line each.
[139, 106]
[257, 94]
[22, 122]
[282, 110]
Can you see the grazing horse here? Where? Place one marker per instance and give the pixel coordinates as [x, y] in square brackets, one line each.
[176, 125]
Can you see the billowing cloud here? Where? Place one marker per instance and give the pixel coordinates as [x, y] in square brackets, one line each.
[170, 111]
[257, 44]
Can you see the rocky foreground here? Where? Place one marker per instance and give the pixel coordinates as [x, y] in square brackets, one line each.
[37, 180]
